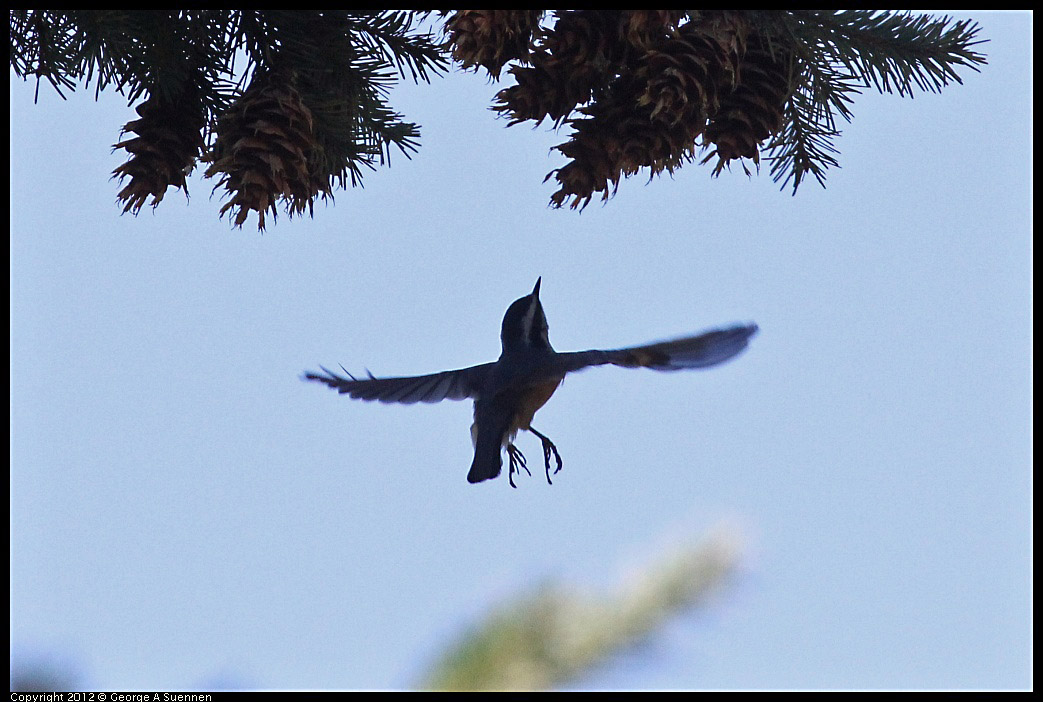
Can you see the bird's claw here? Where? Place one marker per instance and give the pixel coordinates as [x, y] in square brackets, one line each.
[548, 449]
[516, 461]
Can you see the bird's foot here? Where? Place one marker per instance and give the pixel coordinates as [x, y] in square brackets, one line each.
[516, 463]
[548, 449]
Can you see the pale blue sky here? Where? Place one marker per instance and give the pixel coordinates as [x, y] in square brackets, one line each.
[186, 513]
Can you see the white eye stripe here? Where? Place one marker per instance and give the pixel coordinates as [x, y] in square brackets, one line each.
[542, 330]
[529, 319]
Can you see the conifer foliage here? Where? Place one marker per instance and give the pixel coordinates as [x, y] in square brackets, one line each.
[305, 110]
[650, 90]
[641, 91]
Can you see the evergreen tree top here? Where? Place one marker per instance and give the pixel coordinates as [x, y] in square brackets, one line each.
[286, 105]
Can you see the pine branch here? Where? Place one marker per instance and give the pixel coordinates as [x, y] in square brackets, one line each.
[557, 633]
[772, 81]
[804, 145]
[893, 52]
[43, 43]
[308, 110]
[311, 106]
[387, 36]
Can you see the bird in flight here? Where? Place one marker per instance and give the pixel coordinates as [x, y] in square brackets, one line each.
[509, 391]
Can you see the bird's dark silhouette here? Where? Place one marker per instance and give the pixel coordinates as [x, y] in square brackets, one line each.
[509, 391]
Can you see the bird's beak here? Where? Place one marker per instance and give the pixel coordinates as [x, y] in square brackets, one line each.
[536, 290]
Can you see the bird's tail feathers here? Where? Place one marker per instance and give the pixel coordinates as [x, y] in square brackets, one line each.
[488, 445]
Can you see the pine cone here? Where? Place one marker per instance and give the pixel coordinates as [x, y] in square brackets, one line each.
[576, 58]
[644, 29]
[684, 77]
[617, 142]
[650, 117]
[491, 38]
[168, 142]
[754, 111]
[264, 150]
[594, 150]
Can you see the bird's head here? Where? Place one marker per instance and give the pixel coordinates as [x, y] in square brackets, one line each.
[525, 324]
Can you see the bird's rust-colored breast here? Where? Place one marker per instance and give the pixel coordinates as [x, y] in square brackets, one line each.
[534, 397]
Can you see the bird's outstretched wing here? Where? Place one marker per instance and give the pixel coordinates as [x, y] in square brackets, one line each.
[447, 385]
[700, 351]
